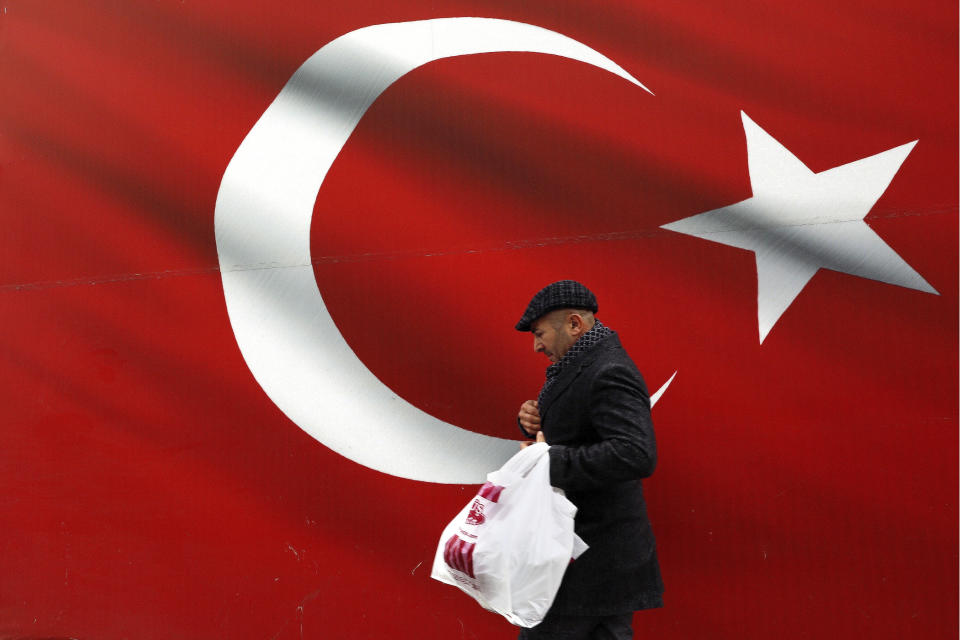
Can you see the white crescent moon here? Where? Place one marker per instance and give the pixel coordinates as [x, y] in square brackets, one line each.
[264, 207]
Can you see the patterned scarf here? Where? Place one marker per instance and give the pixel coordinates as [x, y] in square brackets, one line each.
[598, 332]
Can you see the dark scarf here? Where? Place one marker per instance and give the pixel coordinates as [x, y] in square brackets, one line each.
[598, 332]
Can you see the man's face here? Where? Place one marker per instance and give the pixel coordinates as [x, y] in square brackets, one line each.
[550, 335]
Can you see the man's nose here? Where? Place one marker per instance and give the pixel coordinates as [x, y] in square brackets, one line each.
[537, 345]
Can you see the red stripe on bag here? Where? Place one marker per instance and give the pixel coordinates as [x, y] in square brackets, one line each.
[458, 554]
[490, 491]
[448, 553]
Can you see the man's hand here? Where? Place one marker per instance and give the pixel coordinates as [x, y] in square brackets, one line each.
[529, 417]
[540, 438]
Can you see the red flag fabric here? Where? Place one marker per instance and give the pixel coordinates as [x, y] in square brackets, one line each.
[807, 478]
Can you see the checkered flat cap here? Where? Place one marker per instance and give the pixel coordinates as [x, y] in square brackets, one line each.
[564, 294]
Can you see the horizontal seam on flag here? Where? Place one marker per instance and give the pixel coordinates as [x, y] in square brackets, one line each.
[511, 245]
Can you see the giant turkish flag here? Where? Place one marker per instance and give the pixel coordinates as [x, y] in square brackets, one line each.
[193, 447]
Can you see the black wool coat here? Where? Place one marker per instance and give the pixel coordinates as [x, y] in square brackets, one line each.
[596, 419]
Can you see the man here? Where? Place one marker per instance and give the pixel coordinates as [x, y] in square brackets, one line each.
[594, 412]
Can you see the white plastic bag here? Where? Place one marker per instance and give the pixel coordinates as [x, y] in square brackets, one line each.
[510, 545]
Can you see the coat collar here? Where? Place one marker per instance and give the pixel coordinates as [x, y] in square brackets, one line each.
[570, 373]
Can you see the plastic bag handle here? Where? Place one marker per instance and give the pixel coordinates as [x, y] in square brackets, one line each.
[526, 459]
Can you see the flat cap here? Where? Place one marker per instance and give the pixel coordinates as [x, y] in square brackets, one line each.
[564, 294]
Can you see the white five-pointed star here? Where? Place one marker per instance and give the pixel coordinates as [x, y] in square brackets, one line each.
[799, 221]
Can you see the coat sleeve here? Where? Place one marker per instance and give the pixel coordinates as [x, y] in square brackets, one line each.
[619, 412]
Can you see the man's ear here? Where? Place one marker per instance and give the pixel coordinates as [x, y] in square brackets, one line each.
[576, 323]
